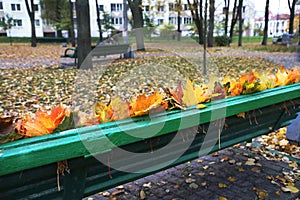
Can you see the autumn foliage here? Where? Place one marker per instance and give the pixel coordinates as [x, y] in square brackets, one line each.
[43, 123]
[182, 96]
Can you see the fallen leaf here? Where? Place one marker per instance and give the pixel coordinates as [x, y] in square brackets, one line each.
[189, 180]
[142, 194]
[250, 162]
[231, 179]
[147, 185]
[222, 185]
[290, 188]
[201, 106]
[193, 186]
[255, 169]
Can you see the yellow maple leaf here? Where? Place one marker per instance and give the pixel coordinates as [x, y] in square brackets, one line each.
[120, 109]
[103, 112]
[189, 96]
[201, 95]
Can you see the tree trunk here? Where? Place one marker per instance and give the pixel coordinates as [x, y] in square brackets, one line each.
[265, 38]
[179, 5]
[99, 22]
[204, 38]
[227, 3]
[210, 42]
[233, 19]
[30, 11]
[71, 31]
[58, 17]
[138, 22]
[197, 17]
[84, 34]
[240, 14]
[292, 15]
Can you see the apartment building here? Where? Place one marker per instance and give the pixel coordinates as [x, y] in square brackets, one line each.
[21, 22]
[278, 24]
[160, 12]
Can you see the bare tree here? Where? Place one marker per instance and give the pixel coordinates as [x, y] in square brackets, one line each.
[210, 37]
[226, 12]
[84, 34]
[292, 15]
[178, 9]
[30, 11]
[71, 31]
[233, 19]
[99, 22]
[240, 16]
[197, 15]
[265, 38]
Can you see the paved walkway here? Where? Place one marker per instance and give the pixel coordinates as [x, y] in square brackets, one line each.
[225, 175]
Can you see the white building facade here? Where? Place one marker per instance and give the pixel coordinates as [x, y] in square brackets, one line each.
[163, 13]
[21, 22]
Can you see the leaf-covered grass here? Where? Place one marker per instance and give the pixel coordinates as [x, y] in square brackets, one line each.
[28, 89]
[268, 48]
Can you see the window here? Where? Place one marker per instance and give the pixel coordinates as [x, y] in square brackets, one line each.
[160, 21]
[146, 8]
[1, 5]
[37, 22]
[15, 7]
[160, 8]
[172, 20]
[185, 6]
[117, 20]
[101, 7]
[116, 7]
[36, 7]
[172, 6]
[17, 22]
[187, 20]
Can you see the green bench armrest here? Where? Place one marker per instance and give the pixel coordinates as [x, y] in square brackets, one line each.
[70, 53]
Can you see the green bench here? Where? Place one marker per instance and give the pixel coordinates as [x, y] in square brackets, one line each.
[28, 167]
[99, 50]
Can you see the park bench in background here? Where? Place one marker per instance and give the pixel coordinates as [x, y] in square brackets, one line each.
[28, 167]
[100, 50]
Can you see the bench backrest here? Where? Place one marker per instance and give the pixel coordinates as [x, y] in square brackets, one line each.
[104, 50]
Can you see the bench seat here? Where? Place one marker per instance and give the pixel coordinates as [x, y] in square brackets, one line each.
[99, 50]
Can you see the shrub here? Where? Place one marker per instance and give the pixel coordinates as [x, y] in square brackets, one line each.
[222, 40]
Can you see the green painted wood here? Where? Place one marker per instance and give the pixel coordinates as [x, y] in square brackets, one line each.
[40, 182]
[43, 150]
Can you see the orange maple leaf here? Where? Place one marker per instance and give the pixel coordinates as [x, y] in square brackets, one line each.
[43, 122]
[295, 75]
[248, 77]
[143, 104]
[236, 89]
